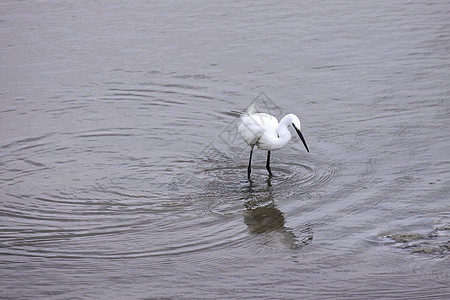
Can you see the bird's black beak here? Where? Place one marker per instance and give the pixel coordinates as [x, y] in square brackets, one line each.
[301, 137]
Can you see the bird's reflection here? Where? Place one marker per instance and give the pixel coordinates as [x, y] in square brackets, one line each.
[263, 217]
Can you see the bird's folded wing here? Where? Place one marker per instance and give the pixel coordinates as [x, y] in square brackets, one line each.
[250, 129]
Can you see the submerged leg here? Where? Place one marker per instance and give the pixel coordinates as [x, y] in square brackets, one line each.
[249, 169]
[268, 163]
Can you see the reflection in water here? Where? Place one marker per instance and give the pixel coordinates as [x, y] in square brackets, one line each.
[263, 217]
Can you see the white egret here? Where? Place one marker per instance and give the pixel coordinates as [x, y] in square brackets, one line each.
[264, 131]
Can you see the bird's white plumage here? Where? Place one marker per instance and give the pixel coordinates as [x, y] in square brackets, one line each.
[256, 129]
[264, 131]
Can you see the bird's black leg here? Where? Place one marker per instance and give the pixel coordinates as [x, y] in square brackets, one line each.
[249, 170]
[268, 163]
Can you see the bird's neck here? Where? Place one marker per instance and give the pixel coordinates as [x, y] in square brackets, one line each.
[283, 126]
[284, 135]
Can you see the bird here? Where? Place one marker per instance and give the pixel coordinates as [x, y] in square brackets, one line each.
[264, 131]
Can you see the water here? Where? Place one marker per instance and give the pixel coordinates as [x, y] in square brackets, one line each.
[122, 176]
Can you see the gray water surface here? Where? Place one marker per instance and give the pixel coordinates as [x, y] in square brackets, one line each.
[122, 175]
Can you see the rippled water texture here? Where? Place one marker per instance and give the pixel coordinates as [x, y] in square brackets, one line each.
[122, 175]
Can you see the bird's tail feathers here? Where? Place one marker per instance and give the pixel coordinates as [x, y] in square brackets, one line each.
[251, 109]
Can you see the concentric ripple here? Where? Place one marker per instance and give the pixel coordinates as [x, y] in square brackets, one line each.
[223, 190]
[106, 190]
